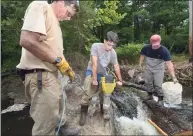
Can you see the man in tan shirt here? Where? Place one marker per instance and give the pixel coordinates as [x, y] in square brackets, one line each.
[41, 59]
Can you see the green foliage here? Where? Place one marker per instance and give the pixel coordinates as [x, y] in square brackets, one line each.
[76, 36]
[134, 21]
[180, 57]
[176, 43]
[12, 14]
[106, 15]
[130, 52]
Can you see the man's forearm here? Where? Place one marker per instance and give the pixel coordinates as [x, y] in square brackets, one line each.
[31, 42]
[118, 72]
[170, 68]
[141, 59]
[94, 67]
[44, 53]
[94, 71]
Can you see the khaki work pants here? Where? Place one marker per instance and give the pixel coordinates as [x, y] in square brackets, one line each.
[90, 91]
[46, 104]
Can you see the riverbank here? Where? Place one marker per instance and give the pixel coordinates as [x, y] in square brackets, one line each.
[12, 90]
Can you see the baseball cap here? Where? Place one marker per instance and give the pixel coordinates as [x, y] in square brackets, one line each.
[155, 39]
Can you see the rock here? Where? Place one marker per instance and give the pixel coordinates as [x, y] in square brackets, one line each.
[131, 73]
[6, 101]
[139, 79]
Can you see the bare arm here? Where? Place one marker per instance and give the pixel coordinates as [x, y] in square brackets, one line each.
[117, 72]
[141, 59]
[94, 67]
[170, 67]
[31, 41]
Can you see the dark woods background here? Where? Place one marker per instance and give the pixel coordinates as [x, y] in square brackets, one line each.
[134, 20]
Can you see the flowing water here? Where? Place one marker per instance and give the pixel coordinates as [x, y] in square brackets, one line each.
[136, 126]
[132, 113]
[130, 116]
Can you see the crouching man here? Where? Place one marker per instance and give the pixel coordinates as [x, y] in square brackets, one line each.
[102, 54]
[155, 56]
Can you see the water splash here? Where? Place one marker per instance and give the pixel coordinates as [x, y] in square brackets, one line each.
[136, 126]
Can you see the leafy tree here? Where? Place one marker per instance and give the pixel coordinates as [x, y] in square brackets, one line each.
[11, 23]
[134, 21]
[106, 17]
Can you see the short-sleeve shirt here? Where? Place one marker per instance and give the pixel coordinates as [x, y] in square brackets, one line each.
[104, 57]
[155, 58]
[39, 17]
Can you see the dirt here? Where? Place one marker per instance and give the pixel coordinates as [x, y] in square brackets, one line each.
[95, 124]
[14, 88]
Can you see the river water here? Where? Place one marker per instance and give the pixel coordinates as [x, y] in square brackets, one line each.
[130, 116]
[138, 125]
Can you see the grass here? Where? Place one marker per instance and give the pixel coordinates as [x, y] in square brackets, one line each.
[180, 57]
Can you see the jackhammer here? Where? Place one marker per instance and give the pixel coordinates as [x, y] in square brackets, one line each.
[108, 85]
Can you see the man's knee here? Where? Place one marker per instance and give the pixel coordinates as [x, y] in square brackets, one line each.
[89, 90]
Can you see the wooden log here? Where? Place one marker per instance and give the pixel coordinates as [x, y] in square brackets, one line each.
[130, 84]
[157, 127]
[171, 116]
[186, 133]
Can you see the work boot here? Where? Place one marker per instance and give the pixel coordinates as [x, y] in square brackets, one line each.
[65, 130]
[160, 102]
[84, 111]
[149, 97]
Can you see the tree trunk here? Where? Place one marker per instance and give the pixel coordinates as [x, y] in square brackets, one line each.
[136, 29]
[190, 27]
[102, 34]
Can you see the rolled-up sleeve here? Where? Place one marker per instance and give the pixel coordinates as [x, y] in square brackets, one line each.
[34, 19]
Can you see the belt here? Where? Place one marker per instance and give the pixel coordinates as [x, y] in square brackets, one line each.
[22, 72]
[39, 76]
[34, 71]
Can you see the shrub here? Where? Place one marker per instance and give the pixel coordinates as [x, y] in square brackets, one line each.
[176, 43]
[130, 53]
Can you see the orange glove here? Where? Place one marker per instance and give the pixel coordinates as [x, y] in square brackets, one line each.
[64, 68]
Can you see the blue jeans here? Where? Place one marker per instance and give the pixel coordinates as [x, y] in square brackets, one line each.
[89, 72]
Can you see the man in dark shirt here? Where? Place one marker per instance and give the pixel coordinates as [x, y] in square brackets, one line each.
[156, 55]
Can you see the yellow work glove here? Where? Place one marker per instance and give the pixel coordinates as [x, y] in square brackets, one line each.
[71, 74]
[64, 68]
